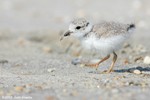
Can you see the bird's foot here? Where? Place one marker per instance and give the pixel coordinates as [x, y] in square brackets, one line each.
[107, 71]
[93, 65]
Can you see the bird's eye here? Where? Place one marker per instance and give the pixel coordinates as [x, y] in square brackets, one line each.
[78, 27]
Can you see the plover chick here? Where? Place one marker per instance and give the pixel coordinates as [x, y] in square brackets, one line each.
[105, 37]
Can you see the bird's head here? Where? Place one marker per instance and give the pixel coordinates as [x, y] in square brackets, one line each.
[78, 28]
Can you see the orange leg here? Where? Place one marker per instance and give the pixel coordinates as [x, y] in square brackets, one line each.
[113, 63]
[97, 64]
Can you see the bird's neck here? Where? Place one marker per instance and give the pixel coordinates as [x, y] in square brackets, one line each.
[90, 29]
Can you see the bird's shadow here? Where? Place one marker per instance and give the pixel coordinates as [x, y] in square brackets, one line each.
[129, 70]
[144, 69]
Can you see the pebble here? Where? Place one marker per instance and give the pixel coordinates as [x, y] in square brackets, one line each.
[119, 77]
[82, 65]
[28, 88]
[98, 86]
[137, 71]
[126, 45]
[51, 69]
[22, 41]
[76, 61]
[76, 53]
[126, 83]
[39, 87]
[47, 49]
[28, 85]
[138, 59]
[144, 84]
[126, 61]
[146, 60]
[106, 81]
[49, 98]
[19, 88]
[64, 90]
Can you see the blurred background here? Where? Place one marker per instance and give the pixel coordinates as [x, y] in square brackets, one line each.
[51, 17]
[20, 16]
[40, 23]
[23, 15]
[31, 52]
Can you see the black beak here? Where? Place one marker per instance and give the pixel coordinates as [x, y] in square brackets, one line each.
[67, 33]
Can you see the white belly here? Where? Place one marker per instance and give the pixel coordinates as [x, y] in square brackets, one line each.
[104, 46]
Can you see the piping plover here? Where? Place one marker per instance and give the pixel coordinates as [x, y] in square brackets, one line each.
[105, 37]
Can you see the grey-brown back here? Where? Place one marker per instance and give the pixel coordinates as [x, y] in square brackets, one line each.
[108, 29]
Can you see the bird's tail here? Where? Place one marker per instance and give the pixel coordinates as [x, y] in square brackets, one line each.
[131, 27]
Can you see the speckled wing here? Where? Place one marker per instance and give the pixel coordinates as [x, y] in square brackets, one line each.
[108, 29]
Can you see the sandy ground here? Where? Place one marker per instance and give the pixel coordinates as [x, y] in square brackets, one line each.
[35, 65]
